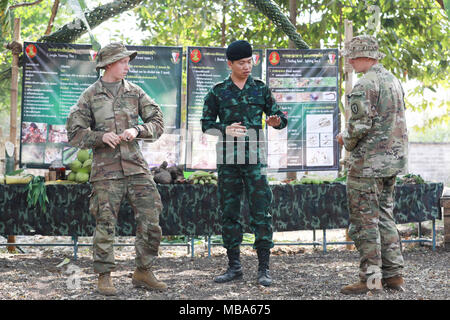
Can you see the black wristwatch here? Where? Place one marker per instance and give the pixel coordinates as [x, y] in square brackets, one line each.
[138, 130]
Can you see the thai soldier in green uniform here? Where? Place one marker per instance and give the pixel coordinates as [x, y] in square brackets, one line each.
[377, 138]
[239, 102]
[105, 119]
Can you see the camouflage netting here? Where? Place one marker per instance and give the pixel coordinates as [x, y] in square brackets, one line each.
[190, 209]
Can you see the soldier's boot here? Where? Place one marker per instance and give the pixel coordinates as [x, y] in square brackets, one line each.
[105, 285]
[263, 267]
[358, 288]
[234, 270]
[143, 278]
[394, 283]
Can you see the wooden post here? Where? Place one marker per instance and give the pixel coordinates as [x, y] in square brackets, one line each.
[348, 76]
[16, 47]
[293, 19]
[445, 204]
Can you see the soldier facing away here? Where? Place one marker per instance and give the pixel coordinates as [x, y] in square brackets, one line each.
[105, 119]
[377, 138]
[239, 102]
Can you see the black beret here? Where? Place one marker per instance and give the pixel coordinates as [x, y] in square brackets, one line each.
[238, 50]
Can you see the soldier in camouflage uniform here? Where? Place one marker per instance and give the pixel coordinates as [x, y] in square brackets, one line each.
[105, 119]
[240, 102]
[377, 138]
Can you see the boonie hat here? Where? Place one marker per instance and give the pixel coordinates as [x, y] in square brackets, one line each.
[363, 46]
[111, 53]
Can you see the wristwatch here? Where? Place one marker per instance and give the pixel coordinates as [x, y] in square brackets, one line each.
[138, 130]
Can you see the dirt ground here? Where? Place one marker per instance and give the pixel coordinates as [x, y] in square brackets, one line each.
[298, 272]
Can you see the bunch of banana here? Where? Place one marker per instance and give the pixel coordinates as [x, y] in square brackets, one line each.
[18, 177]
[202, 177]
[59, 182]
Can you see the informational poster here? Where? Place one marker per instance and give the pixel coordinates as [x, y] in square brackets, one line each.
[55, 75]
[158, 71]
[206, 66]
[305, 86]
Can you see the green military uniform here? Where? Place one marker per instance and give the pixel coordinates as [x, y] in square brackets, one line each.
[377, 138]
[120, 172]
[231, 104]
[241, 158]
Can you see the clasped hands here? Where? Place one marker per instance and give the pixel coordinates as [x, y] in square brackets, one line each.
[112, 139]
[238, 130]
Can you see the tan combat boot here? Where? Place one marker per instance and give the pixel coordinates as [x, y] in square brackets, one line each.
[146, 279]
[358, 288]
[105, 285]
[394, 283]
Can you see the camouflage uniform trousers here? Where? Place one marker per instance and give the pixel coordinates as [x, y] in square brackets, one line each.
[372, 227]
[144, 198]
[232, 180]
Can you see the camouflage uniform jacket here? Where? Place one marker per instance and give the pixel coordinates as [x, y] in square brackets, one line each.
[231, 104]
[98, 112]
[376, 131]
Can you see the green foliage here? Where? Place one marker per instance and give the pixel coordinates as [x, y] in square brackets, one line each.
[5, 21]
[410, 178]
[439, 132]
[37, 194]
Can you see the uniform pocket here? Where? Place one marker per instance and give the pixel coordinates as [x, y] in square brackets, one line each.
[93, 204]
[364, 184]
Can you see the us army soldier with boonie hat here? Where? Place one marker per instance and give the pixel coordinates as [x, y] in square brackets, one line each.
[105, 119]
[377, 139]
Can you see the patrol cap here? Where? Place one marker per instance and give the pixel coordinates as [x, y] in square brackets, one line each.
[238, 50]
[111, 53]
[363, 46]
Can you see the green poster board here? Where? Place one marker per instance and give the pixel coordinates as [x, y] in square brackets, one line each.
[305, 86]
[158, 71]
[55, 75]
[206, 66]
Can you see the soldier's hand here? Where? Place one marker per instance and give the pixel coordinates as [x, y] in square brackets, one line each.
[273, 121]
[129, 134]
[111, 139]
[236, 130]
[339, 139]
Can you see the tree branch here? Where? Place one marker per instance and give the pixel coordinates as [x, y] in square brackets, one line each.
[24, 4]
[75, 29]
[52, 17]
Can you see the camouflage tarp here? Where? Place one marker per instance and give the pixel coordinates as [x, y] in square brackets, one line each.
[194, 209]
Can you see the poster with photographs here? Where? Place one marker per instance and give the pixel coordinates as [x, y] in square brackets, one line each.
[206, 66]
[305, 86]
[55, 75]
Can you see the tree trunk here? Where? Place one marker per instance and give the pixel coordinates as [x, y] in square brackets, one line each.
[52, 17]
[224, 25]
[292, 18]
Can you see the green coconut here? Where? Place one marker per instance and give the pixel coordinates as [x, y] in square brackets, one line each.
[71, 176]
[87, 165]
[83, 155]
[76, 165]
[82, 177]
